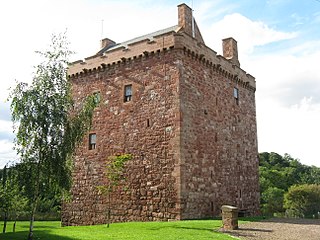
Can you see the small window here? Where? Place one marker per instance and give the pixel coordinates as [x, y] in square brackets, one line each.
[236, 95]
[127, 93]
[92, 141]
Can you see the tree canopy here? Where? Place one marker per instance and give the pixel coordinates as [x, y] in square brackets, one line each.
[278, 175]
[47, 126]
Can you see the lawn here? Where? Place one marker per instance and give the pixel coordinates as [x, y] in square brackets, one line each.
[51, 230]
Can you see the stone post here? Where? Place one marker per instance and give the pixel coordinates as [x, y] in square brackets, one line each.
[229, 217]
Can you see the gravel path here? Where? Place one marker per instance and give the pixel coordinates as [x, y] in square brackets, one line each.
[279, 229]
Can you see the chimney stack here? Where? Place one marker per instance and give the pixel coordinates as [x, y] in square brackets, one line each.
[230, 50]
[185, 18]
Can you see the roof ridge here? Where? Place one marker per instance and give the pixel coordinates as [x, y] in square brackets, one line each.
[149, 36]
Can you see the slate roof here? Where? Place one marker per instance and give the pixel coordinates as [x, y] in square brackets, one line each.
[149, 36]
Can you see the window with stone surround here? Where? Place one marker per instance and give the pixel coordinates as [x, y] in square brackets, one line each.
[236, 94]
[92, 141]
[127, 93]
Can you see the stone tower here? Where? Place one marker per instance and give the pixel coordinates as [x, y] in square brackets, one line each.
[186, 114]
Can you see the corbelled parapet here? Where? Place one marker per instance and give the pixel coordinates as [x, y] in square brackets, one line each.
[184, 36]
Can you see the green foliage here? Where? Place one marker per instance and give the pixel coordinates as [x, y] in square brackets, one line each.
[12, 200]
[114, 174]
[115, 168]
[273, 200]
[303, 200]
[277, 175]
[48, 127]
[186, 230]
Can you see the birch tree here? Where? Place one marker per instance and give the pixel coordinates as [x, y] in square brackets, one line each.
[47, 127]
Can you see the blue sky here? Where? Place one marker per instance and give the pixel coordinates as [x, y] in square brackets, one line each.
[278, 41]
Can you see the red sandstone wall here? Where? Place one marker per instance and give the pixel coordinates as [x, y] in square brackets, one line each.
[218, 141]
[198, 152]
[194, 147]
[150, 191]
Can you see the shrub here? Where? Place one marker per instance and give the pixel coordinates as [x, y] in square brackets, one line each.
[303, 200]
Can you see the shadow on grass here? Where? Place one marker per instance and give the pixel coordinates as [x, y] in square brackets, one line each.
[181, 227]
[38, 235]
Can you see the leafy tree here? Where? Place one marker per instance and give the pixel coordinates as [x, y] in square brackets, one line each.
[272, 199]
[5, 195]
[51, 194]
[114, 174]
[47, 126]
[311, 175]
[278, 174]
[11, 198]
[303, 200]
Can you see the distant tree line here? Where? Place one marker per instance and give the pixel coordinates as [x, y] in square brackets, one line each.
[16, 192]
[288, 187]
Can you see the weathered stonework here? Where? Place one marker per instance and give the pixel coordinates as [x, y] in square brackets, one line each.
[194, 143]
[229, 217]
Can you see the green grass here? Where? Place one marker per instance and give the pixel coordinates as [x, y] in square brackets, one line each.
[51, 230]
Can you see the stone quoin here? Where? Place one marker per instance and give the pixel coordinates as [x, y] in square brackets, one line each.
[186, 114]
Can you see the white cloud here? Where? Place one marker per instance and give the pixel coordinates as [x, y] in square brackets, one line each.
[291, 130]
[249, 34]
[288, 76]
[5, 126]
[288, 101]
[7, 155]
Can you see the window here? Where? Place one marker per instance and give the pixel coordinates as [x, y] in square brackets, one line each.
[127, 93]
[92, 141]
[236, 94]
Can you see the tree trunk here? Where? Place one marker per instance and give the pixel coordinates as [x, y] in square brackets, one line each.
[5, 220]
[30, 236]
[109, 211]
[14, 226]
[35, 201]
